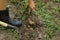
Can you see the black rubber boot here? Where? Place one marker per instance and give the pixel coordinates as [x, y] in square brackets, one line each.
[4, 16]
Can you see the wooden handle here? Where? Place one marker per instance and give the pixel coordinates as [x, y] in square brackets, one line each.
[6, 25]
[3, 4]
[3, 24]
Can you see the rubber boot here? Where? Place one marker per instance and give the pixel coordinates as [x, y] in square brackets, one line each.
[4, 16]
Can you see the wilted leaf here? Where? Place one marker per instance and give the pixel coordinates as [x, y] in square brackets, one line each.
[31, 22]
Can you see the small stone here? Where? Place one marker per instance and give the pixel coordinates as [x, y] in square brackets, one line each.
[40, 35]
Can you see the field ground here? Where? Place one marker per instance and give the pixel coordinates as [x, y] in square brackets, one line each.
[48, 12]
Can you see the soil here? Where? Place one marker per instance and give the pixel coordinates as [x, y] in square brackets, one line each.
[29, 33]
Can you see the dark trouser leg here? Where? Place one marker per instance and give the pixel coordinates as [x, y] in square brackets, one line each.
[4, 16]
